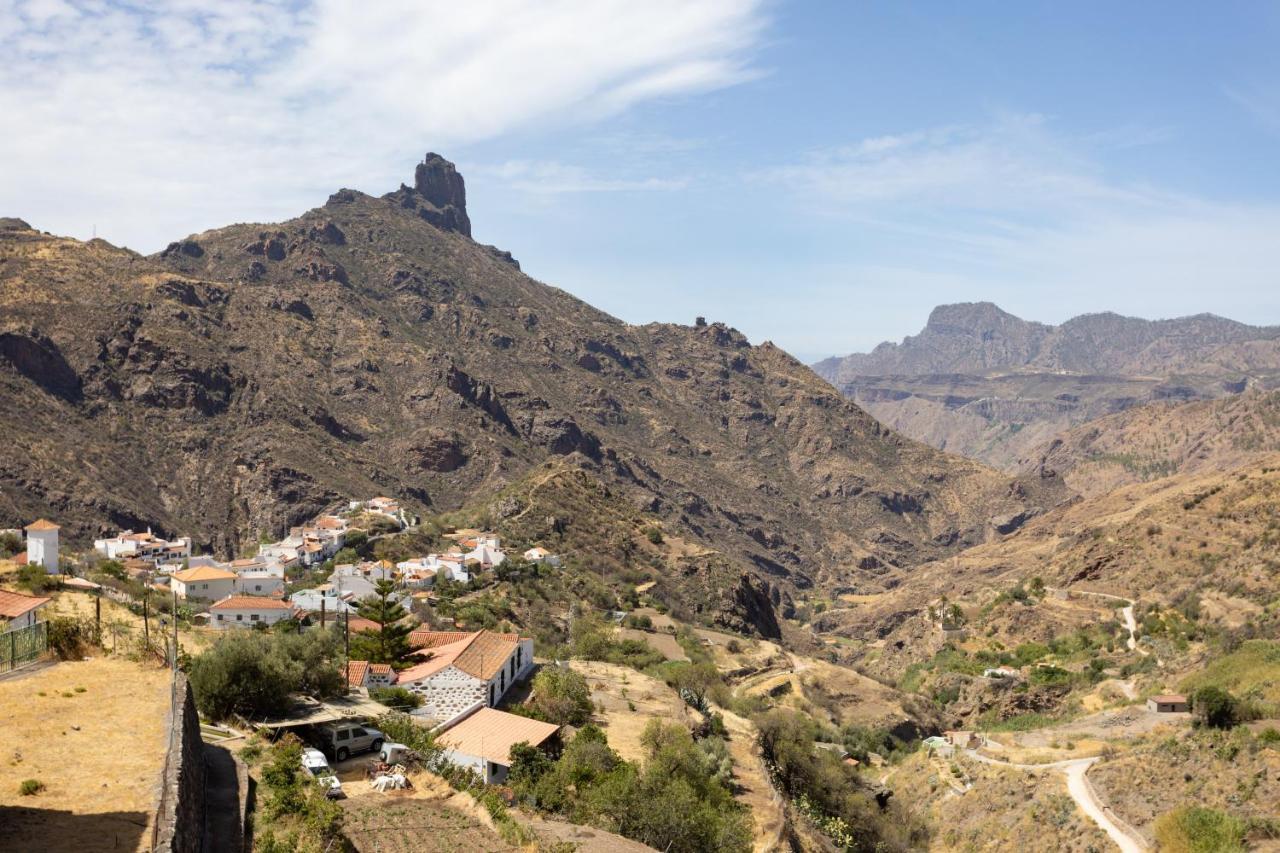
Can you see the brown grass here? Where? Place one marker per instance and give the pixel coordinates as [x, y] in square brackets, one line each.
[99, 752]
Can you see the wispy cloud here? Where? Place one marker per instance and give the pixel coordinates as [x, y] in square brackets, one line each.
[152, 120]
[554, 178]
[1012, 210]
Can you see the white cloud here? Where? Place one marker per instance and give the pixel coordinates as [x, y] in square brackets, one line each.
[154, 120]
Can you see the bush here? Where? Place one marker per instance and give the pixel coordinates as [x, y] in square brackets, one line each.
[69, 636]
[1215, 708]
[33, 578]
[1195, 829]
[292, 803]
[397, 698]
[30, 787]
[252, 673]
[10, 544]
[561, 696]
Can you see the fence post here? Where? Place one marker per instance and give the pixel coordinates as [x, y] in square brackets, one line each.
[13, 650]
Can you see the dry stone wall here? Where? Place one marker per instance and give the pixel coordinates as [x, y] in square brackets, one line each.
[179, 820]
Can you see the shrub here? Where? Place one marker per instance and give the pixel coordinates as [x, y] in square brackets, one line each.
[396, 697]
[1215, 708]
[561, 696]
[252, 673]
[1195, 829]
[33, 578]
[30, 787]
[69, 636]
[654, 535]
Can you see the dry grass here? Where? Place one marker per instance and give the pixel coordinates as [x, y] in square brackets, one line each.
[94, 732]
[664, 644]
[628, 701]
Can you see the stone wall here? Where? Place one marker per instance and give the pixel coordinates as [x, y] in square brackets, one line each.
[179, 820]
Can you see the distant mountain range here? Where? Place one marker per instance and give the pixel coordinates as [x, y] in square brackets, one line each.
[983, 383]
[244, 378]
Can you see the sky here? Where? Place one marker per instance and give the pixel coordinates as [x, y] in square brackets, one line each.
[818, 174]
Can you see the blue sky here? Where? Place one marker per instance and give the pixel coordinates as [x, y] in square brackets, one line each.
[816, 174]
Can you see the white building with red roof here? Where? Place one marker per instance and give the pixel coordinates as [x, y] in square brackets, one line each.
[18, 611]
[246, 611]
[42, 545]
[462, 670]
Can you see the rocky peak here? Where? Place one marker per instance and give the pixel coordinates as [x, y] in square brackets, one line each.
[12, 223]
[975, 317]
[439, 184]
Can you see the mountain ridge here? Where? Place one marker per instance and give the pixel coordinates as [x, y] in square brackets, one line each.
[244, 378]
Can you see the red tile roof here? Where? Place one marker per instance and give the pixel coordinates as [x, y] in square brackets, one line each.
[356, 671]
[480, 653]
[251, 602]
[42, 524]
[15, 604]
[490, 734]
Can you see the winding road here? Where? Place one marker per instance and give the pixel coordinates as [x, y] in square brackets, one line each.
[1075, 769]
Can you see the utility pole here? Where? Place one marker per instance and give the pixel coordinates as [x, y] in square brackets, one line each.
[347, 653]
[322, 604]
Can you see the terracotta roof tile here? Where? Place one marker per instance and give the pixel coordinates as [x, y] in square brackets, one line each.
[14, 604]
[356, 671]
[490, 734]
[203, 573]
[250, 602]
[42, 524]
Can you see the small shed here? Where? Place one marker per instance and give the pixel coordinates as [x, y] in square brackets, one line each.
[1168, 703]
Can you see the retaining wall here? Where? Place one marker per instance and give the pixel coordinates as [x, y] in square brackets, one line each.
[179, 820]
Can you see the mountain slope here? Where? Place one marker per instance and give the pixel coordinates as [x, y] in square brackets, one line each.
[245, 377]
[983, 383]
[1160, 440]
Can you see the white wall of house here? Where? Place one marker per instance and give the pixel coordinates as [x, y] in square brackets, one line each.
[494, 774]
[447, 694]
[213, 590]
[42, 549]
[247, 617]
[26, 620]
[258, 583]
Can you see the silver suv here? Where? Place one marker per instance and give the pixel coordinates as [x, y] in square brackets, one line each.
[342, 740]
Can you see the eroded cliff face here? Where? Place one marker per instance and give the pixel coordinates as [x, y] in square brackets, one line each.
[245, 377]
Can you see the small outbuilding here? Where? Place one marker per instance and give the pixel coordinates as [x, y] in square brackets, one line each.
[482, 741]
[1168, 703]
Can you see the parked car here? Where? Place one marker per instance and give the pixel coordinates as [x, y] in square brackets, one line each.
[342, 740]
[314, 763]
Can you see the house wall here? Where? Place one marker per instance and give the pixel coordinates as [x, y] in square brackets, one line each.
[212, 590]
[493, 774]
[448, 693]
[258, 585]
[227, 618]
[42, 549]
[26, 620]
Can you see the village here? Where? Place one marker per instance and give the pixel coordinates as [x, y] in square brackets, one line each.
[452, 686]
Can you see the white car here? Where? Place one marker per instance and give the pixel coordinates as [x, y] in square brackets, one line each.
[314, 762]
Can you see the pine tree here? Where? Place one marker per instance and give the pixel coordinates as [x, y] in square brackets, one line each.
[390, 642]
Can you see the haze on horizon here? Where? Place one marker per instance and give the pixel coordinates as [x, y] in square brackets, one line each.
[820, 175]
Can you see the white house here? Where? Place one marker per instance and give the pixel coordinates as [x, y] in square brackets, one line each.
[260, 582]
[42, 545]
[245, 611]
[461, 670]
[482, 741]
[314, 600]
[208, 582]
[144, 546]
[18, 611]
[541, 555]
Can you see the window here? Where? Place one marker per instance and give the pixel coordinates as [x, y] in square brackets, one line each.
[359, 733]
[219, 617]
[254, 617]
[343, 734]
[490, 694]
[504, 681]
[239, 617]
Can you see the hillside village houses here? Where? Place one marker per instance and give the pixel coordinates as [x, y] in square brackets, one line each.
[144, 546]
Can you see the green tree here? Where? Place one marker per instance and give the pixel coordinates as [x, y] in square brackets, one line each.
[10, 544]
[253, 673]
[561, 696]
[33, 578]
[1215, 708]
[390, 642]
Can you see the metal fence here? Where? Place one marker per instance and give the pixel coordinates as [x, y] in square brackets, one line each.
[23, 645]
